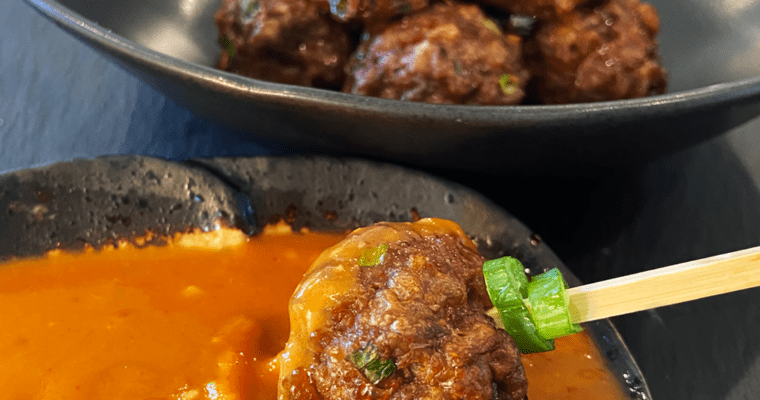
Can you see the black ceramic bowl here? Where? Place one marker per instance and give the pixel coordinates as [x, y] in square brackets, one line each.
[710, 49]
[96, 202]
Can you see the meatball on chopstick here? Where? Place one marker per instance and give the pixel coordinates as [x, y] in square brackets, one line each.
[285, 41]
[597, 53]
[449, 53]
[396, 311]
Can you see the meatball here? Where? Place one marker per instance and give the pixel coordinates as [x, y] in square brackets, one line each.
[450, 54]
[286, 41]
[415, 310]
[607, 52]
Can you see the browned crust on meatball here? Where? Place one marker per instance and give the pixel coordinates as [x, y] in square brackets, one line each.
[449, 53]
[606, 52]
[285, 41]
[423, 308]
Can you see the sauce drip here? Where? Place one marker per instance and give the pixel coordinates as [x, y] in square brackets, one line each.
[200, 318]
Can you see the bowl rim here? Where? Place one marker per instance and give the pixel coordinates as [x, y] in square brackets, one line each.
[728, 92]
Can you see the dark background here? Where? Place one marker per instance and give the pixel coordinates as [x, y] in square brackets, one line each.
[59, 100]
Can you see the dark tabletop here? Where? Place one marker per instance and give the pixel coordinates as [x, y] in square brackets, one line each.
[59, 100]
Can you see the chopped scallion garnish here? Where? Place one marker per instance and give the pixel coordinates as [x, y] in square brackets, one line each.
[378, 370]
[227, 44]
[547, 295]
[367, 361]
[252, 6]
[534, 313]
[491, 26]
[508, 83]
[506, 270]
[373, 256]
[362, 357]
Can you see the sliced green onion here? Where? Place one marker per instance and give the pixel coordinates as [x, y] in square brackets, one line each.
[367, 361]
[508, 83]
[507, 287]
[252, 6]
[373, 256]
[519, 325]
[505, 270]
[491, 26]
[378, 370]
[227, 44]
[365, 355]
[549, 301]
[534, 313]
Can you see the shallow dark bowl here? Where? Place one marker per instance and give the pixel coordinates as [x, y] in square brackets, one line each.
[97, 202]
[710, 49]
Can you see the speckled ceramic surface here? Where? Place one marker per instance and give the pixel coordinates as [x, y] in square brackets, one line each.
[95, 202]
[708, 47]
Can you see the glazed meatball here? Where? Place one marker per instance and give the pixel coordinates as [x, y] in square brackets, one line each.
[406, 323]
[286, 41]
[607, 52]
[448, 53]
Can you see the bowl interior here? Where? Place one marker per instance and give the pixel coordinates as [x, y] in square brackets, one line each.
[96, 202]
[702, 42]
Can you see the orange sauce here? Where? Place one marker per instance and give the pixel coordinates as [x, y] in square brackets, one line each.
[200, 318]
[573, 370]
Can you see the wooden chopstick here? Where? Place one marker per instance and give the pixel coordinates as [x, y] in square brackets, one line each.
[666, 286]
